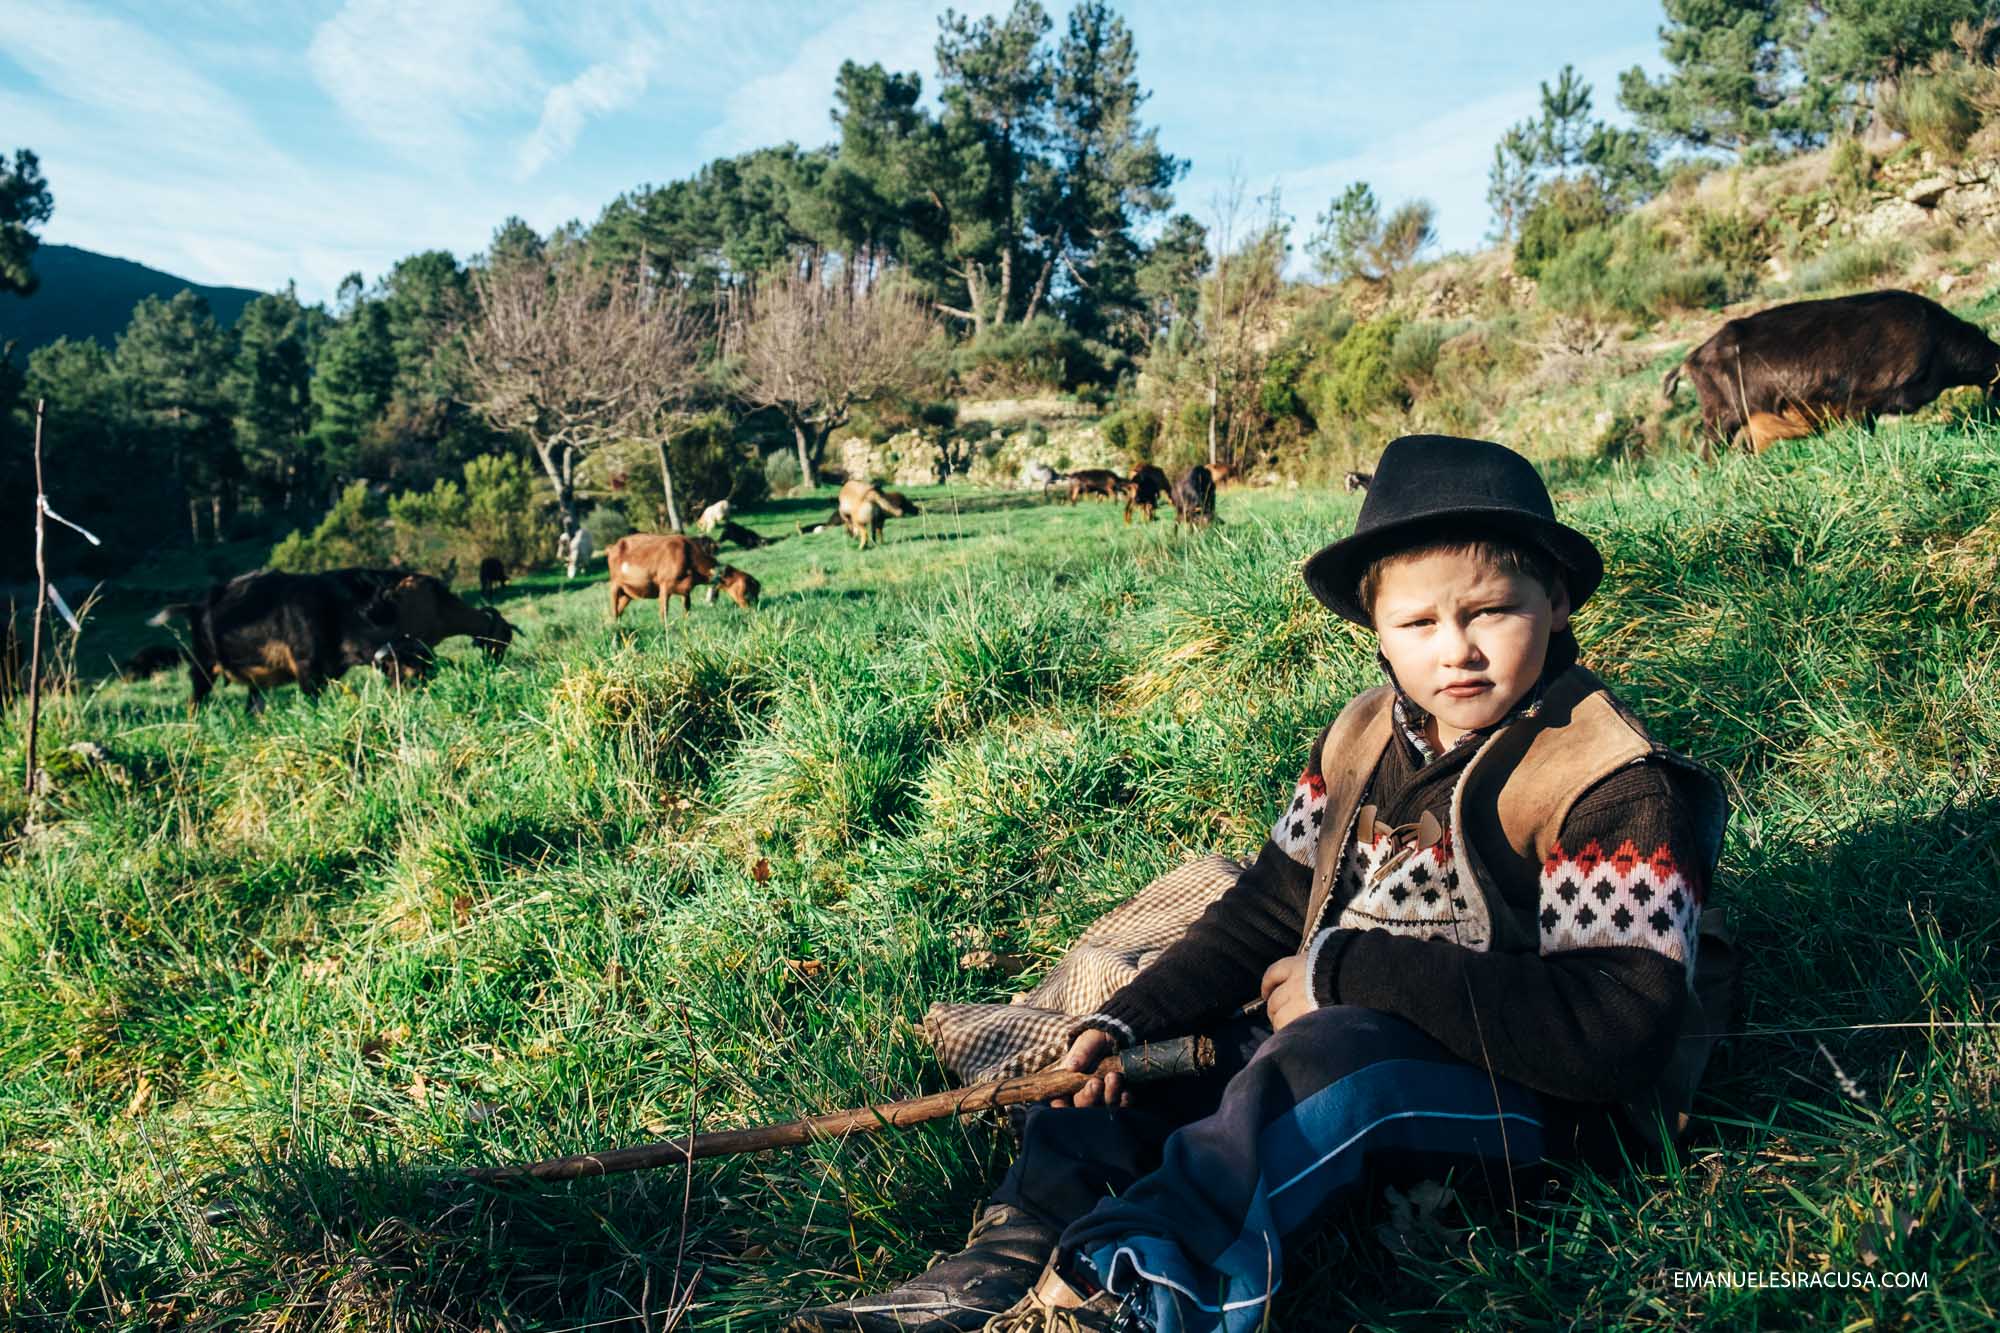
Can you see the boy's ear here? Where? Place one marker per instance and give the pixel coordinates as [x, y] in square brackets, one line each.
[1559, 608]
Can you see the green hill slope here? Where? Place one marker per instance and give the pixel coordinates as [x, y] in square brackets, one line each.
[88, 295]
[301, 964]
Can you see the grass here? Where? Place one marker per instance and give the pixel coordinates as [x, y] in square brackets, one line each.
[298, 967]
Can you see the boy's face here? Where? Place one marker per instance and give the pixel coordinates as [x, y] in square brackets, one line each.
[1466, 639]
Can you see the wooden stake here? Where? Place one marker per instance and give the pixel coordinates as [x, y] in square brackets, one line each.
[41, 605]
[1157, 1060]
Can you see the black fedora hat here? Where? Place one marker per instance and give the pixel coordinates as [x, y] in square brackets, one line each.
[1440, 487]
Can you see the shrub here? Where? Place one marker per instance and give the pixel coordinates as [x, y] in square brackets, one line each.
[1360, 377]
[1133, 431]
[1413, 354]
[501, 514]
[1628, 271]
[1850, 170]
[353, 532]
[781, 472]
[1841, 266]
[1193, 423]
[606, 523]
[1936, 111]
[1734, 240]
[1563, 211]
[1043, 353]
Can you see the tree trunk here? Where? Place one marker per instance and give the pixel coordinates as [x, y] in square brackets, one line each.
[808, 474]
[1006, 282]
[1213, 395]
[1041, 285]
[560, 478]
[976, 298]
[667, 484]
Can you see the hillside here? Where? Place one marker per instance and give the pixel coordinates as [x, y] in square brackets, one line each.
[266, 980]
[87, 295]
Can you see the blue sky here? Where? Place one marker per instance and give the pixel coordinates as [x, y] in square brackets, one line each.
[249, 142]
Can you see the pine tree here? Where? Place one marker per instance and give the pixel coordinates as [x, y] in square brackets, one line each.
[354, 378]
[25, 203]
[169, 361]
[1733, 82]
[268, 390]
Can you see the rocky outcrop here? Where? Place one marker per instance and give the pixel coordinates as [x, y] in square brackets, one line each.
[1920, 193]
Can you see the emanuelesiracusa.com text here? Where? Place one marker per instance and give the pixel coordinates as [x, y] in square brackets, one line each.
[1859, 1279]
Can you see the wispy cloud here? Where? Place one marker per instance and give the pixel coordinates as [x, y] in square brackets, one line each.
[793, 102]
[1443, 159]
[599, 90]
[412, 76]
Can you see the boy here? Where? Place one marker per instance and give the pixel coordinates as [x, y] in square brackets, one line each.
[1473, 932]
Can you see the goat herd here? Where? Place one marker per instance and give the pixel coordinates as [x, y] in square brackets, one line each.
[1777, 374]
[269, 628]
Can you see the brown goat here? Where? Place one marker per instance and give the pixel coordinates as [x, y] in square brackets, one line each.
[1807, 363]
[662, 565]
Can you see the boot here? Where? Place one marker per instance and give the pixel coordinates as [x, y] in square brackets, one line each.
[1001, 1260]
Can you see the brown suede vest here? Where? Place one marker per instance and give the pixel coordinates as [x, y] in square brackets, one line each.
[1507, 813]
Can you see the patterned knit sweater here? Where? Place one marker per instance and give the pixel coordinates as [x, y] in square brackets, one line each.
[1591, 1017]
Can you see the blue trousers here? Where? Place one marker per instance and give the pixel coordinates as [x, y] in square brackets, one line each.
[1182, 1205]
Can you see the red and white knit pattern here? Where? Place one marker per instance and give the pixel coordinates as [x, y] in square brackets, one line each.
[1297, 829]
[1593, 899]
[1422, 896]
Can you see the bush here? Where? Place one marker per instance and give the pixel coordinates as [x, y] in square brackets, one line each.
[353, 532]
[1193, 423]
[781, 472]
[1562, 211]
[1133, 431]
[1627, 270]
[446, 530]
[606, 523]
[1843, 266]
[1851, 170]
[1413, 354]
[1043, 353]
[1360, 377]
[1734, 240]
[1937, 112]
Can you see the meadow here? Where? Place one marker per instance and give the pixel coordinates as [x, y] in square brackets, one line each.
[267, 981]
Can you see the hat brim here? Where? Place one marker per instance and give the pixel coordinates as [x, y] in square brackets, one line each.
[1334, 572]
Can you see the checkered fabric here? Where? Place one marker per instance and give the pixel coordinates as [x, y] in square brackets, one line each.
[976, 1042]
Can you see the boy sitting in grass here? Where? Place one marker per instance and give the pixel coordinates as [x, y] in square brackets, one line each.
[1473, 932]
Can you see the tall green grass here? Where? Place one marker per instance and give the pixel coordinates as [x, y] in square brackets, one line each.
[268, 980]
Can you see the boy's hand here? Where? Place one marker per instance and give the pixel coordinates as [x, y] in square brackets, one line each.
[1089, 1048]
[1287, 991]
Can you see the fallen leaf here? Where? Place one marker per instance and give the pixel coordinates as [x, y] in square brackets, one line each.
[141, 1094]
[419, 1089]
[761, 872]
[461, 908]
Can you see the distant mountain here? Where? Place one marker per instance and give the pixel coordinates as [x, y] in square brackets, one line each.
[88, 295]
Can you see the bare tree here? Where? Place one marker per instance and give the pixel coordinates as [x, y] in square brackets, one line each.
[1236, 315]
[572, 357]
[815, 347]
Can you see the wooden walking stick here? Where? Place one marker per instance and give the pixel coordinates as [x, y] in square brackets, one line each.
[41, 600]
[1180, 1058]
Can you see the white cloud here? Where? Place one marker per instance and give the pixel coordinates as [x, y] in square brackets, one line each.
[792, 103]
[412, 76]
[599, 90]
[1443, 159]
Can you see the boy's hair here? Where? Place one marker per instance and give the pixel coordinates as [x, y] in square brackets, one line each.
[1509, 557]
